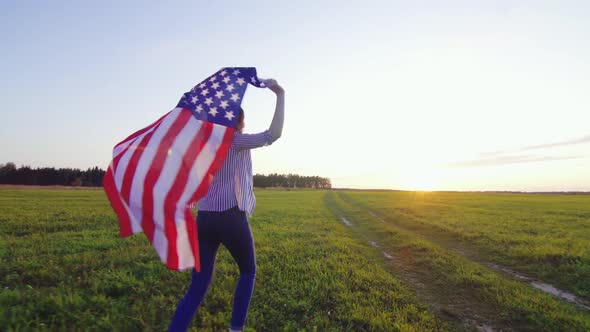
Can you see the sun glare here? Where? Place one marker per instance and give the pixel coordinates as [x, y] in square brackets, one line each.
[422, 179]
[422, 185]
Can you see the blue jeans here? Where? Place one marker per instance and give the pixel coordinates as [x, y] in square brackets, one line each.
[231, 228]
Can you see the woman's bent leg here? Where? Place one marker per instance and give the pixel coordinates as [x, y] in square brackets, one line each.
[242, 297]
[198, 288]
[241, 246]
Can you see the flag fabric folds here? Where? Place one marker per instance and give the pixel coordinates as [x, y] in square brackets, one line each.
[159, 171]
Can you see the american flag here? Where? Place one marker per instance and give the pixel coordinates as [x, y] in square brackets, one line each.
[158, 172]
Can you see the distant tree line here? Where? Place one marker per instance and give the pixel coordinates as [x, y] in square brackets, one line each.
[92, 177]
[291, 181]
[49, 176]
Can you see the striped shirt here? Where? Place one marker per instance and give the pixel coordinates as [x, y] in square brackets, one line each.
[233, 185]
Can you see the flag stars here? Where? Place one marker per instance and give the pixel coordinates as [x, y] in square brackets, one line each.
[220, 93]
[229, 115]
[235, 97]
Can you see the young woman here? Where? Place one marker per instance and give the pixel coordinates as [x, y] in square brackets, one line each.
[221, 219]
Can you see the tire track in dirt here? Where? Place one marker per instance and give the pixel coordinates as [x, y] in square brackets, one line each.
[469, 254]
[458, 307]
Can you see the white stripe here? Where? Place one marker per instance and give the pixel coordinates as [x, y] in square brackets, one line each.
[145, 162]
[198, 170]
[123, 145]
[160, 244]
[118, 178]
[174, 160]
[124, 161]
[221, 195]
[185, 252]
[203, 161]
[233, 182]
[135, 225]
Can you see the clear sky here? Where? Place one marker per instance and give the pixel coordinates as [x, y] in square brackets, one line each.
[444, 95]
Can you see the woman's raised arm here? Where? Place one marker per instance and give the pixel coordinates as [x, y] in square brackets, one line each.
[276, 126]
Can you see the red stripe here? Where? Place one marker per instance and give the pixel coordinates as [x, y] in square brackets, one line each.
[177, 188]
[152, 127]
[132, 167]
[141, 131]
[121, 200]
[108, 183]
[215, 165]
[191, 227]
[192, 233]
[147, 221]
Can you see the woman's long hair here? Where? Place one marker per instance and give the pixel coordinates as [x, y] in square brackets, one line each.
[240, 123]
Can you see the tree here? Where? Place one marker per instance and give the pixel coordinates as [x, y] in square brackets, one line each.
[47, 176]
[291, 181]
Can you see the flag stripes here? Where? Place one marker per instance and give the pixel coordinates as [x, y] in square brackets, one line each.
[155, 174]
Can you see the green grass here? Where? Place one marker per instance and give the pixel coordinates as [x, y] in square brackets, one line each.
[545, 236]
[63, 267]
[457, 286]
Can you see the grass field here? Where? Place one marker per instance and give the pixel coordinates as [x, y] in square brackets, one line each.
[327, 261]
[547, 236]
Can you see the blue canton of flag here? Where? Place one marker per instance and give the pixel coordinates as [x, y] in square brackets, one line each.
[218, 98]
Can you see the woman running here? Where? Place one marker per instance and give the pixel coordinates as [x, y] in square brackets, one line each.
[221, 218]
